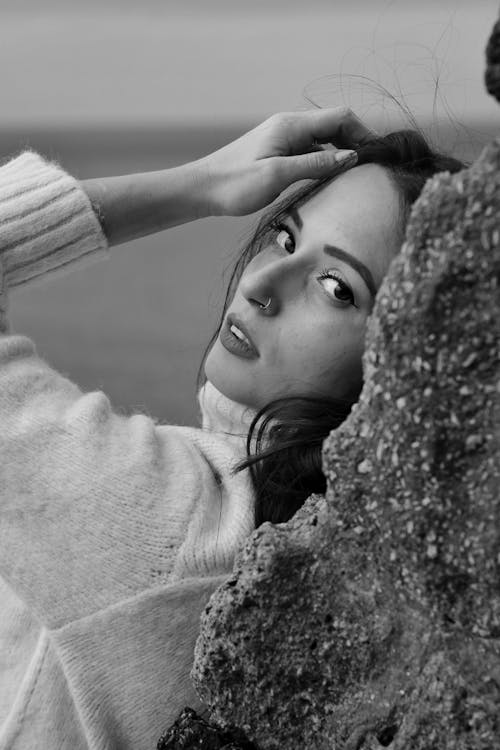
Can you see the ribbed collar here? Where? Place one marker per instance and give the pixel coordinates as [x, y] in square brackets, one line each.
[220, 414]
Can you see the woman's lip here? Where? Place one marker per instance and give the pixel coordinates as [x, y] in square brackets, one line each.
[233, 319]
[233, 344]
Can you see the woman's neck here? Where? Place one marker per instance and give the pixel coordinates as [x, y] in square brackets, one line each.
[221, 414]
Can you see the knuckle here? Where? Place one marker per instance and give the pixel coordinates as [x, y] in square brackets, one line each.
[275, 119]
[341, 111]
[281, 119]
[347, 113]
[315, 160]
[270, 169]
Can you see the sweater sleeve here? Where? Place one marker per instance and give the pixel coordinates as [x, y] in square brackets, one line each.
[46, 221]
[93, 504]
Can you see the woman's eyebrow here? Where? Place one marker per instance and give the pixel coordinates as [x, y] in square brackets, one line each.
[337, 252]
[364, 272]
[297, 218]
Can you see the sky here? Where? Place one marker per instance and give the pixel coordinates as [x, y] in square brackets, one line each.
[82, 62]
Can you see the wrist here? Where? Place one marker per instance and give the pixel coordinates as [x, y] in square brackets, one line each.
[202, 184]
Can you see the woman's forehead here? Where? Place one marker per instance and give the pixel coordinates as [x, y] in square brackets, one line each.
[359, 209]
[367, 188]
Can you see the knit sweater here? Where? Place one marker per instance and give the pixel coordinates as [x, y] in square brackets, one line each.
[114, 530]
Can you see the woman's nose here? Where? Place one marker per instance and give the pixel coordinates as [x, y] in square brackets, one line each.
[263, 280]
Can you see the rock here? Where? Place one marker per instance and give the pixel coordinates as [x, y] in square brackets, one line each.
[492, 74]
[372, 618]
[191, 731]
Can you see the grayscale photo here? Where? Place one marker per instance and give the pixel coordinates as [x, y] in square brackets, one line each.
[249, 375]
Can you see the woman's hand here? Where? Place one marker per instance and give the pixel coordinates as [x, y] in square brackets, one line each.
[252, 171]
[238, 179]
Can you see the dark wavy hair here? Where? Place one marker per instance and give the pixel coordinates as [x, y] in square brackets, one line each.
[289, 467]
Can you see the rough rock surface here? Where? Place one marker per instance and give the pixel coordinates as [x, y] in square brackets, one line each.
[492, 73]
[372, 618]
[192, 731]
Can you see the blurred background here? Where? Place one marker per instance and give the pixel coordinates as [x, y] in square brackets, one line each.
[111, 87]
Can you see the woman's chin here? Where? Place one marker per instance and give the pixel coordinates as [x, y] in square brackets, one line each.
[216, 370]
[220, 373]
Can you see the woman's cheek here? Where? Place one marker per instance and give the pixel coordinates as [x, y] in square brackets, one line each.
[298, 352]
[280, 349]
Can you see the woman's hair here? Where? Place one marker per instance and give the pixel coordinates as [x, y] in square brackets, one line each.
[289, 469]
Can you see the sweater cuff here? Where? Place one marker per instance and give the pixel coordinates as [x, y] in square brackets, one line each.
[47, 222]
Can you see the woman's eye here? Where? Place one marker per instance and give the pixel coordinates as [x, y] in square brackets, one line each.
[340, 290]
[284, 238]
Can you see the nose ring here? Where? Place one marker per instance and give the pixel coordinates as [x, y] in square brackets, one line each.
[264, 307]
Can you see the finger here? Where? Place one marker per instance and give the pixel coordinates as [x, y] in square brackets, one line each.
[340, 126]
[337, 125]
[314, 165]
[315, 147]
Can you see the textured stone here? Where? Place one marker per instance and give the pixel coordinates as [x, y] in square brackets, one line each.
[192, 731]
[372, 618]
[492, 74]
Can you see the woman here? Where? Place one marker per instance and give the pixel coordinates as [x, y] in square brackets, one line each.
[116, 530]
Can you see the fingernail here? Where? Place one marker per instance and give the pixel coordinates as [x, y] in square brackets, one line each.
[343, 156]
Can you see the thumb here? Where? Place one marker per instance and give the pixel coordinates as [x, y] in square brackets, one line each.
[315, 165]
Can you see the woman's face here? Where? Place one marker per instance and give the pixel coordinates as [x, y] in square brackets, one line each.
[310, 340]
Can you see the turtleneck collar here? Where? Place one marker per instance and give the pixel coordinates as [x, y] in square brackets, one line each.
[221, 414]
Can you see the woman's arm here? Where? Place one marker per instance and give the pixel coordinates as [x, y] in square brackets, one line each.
[238, 179]
[93, 504]
[136, 205]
